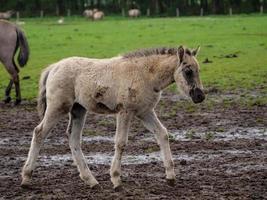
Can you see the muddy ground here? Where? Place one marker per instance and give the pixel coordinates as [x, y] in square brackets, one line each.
[220, 152]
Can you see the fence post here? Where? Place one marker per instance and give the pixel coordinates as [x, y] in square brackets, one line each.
[57, 10]
[201, 12]
[230, 11]
[17, 16]
[261, 9]
[69, 12]
[41, 13]
[123, 12]
[148, 12]
[177, 12]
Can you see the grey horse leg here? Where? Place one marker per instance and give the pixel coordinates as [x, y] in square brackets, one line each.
[14, 73]
[17, 88]
[7, 92]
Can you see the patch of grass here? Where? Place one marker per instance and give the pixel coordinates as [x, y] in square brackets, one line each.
[209, 136]
[104, 122]
[190, 134]
[191, 107]
[87, 132]
[152, 149]
[218, 36]
[220, 129]
[171, 137]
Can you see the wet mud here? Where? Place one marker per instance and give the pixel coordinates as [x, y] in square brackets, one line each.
[218, 152]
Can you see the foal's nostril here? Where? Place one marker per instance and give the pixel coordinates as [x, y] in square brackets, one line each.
[198, 96]
[201, 97]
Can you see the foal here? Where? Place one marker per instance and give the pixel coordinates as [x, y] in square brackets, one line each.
[128, 86]
[11, 38]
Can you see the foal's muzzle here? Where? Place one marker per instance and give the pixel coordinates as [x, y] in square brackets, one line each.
[197, 95]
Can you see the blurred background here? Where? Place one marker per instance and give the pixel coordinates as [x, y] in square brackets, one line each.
[32, 8]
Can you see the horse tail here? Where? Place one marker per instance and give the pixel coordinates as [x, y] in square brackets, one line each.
[41, 102]
[24, 48]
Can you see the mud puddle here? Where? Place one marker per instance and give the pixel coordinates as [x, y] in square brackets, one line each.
[98, 158]
[219, 153]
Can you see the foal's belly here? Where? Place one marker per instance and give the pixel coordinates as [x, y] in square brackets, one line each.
[101, 108]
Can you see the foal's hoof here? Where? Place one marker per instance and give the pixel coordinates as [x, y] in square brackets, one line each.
[26, 183]
[17, 102]
[118, 188]
[7, 99]
[96, 187]
[171, 182]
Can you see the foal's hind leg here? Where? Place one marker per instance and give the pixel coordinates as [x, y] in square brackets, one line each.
[52, 116]
[78, 115]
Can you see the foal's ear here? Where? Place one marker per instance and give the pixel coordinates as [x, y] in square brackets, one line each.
[181, 52]
[195, 51]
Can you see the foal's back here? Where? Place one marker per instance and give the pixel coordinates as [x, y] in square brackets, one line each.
[100, 85]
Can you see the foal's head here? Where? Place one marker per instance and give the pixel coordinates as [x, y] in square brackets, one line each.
[186, 75]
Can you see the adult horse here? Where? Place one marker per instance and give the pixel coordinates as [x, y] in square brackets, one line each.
[94, 14]
[129, 86]
[134, 13]
[11, 38]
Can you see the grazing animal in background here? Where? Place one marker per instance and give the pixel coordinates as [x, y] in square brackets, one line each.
[98, 15]
[134, 13]
[94, 14]
[12, 38]
[6, 15]
[128, 86]
[88, 14]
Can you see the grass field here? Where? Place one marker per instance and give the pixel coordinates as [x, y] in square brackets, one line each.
[237, 46]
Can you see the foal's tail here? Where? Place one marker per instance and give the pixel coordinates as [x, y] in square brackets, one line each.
[24, 48]
[41, 104]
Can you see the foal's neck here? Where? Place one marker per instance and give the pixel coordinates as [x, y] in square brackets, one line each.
[164, 68]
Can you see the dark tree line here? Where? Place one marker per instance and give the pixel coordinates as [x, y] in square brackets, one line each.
[156, 7]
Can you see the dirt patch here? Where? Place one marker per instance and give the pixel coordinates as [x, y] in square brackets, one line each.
[219, 153]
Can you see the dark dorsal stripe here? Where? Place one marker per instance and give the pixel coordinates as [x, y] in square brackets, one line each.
[152, 51]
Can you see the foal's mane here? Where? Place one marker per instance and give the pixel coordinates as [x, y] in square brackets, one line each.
[151, 51]
[154, 51]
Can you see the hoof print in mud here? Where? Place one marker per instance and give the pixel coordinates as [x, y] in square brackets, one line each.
[170, 182]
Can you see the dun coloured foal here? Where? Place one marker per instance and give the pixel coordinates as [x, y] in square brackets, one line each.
[128, 86]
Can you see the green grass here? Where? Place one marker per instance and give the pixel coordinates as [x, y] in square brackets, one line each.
[245, 36]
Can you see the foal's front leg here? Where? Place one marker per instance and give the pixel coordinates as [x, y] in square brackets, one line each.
[152, 123]
[123, 123]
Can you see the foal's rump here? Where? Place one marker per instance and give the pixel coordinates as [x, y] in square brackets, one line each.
[58, 82]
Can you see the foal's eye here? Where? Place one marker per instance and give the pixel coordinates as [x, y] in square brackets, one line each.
[188, 72]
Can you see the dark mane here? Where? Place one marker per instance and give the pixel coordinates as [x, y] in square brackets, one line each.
[151, 51]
